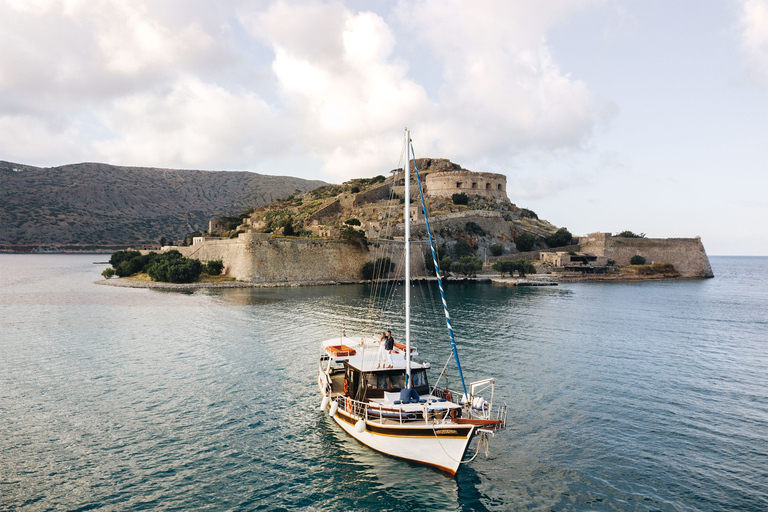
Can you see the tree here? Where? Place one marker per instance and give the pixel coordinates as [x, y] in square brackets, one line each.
[497, 249]
[352, 222]
[214, 267]
[523, 267]
[174, 269]
[377, 270]
[429, 262]
[353, 235]
[463, 248]
[446, 264]
[637, 260]
[467, 265]
[460, 198]
[473, 228]
[108, 272]
[559, 238]
[288, 228]
[525, 241]
[119, 256]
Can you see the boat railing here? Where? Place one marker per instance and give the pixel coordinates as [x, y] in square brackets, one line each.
[475, 406]
[374, 412]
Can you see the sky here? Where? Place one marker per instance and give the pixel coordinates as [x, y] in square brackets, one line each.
[650, 116]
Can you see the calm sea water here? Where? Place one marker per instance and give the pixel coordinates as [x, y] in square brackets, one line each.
[646, 396]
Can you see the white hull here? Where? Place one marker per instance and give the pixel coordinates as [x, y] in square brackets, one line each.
[441, 446]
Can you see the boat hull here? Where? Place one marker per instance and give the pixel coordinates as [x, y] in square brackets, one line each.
[441, 446]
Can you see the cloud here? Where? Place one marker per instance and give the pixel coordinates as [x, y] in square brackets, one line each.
[349, 93]
[193, 124]
[754, 38]
[235, 83]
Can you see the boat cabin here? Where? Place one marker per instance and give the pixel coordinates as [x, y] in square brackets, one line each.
[356, 373]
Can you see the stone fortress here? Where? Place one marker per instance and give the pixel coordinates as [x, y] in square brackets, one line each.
[260, 257]
[447, 183]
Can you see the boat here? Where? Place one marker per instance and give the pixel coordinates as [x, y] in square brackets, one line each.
[394, 409]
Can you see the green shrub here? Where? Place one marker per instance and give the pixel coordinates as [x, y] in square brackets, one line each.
[467, 265]
[175, 269]
[525, 241]
[559, 238]
[108, 272]
[463, 248]
[129, 267]
[288, 229]
[630, 234]
[352, 222]
[637, 260]
[214, 267]
[473, 228]
[446, 264]
[120, 256]
[353, 235]
[429, 262]
[526, 213]
[355, 190]
[460, 198]
[378, 269]
[509, 266]
[497, 249]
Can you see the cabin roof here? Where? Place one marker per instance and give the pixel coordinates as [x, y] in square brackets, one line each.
[363, 354]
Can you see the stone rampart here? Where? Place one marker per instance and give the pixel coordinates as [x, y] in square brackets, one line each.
[260, 258]
[490, 221]
[686, 254]
[375, 194]
[332, 208]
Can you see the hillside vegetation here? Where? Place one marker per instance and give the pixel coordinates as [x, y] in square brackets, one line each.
[93, 204]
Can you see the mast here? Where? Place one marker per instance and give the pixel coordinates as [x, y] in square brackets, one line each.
[407, 220]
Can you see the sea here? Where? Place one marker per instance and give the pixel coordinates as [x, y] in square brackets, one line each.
[621, 396]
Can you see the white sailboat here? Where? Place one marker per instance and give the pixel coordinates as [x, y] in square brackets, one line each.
[378, 406]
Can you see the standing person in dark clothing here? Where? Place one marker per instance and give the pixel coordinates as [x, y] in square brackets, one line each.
[389, 346]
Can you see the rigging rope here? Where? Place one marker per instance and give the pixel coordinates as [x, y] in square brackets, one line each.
[437, 272]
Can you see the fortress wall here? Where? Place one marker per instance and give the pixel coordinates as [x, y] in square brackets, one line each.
[491, 222]
[259, 258]
[686, 254]
[328, 210]
[447, 183]
[375, 194]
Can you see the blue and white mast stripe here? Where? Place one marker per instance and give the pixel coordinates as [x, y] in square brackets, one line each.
[437, 271]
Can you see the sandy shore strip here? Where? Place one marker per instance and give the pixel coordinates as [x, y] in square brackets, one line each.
[131, 283]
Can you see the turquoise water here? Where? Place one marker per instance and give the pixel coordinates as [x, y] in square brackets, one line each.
[644, 396]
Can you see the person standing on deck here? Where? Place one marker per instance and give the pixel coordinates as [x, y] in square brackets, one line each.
[382, 350]
[389, 346]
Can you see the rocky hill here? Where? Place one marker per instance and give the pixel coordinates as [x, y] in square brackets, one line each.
[92, 205]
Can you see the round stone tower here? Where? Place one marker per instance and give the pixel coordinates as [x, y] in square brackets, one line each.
[485, 184]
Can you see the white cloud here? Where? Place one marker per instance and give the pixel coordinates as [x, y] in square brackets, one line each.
[350, 95]
[754, 37]
[193, 124]
[178, 84]
[502, 93]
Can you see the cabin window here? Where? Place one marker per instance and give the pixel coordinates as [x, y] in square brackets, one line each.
[498, 187]
[458, 184]
[388, 381]
[487, 186]
[419, 379]
[474, 185]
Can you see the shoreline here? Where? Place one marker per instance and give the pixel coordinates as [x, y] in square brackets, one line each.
[528, 281]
